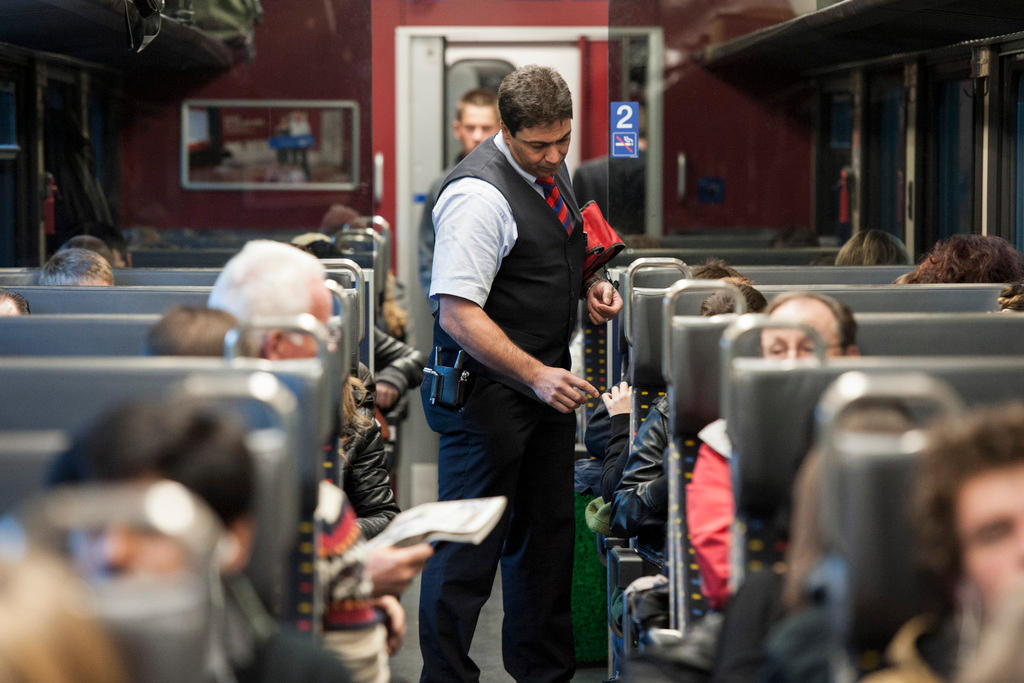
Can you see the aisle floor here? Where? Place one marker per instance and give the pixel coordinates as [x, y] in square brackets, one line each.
[485, 651]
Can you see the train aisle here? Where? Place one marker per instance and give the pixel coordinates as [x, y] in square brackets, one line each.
[486, 650]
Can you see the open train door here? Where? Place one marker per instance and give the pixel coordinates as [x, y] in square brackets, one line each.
[435, 65]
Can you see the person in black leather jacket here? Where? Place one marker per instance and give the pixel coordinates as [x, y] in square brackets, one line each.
[399, 368]
[362, 459]
[641, 498]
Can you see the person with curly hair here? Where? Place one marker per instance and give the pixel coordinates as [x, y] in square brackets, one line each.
[1011, 297]
[969, 516]
[969, 258]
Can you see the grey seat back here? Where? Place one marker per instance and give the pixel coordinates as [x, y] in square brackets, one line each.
[75, 334]
[25, 459]
[696, 360]
[957, 298]
[182, 258]
[822, 275]
[771, 404]
[69, 393]
[111, 299]
[734, 256]
[866, 483]
[940, 334]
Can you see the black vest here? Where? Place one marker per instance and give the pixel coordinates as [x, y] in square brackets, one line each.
[535, 293]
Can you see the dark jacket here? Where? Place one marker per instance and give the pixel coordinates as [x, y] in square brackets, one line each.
[397, 363]
[365, 476]
[615, 455]
[640, 505]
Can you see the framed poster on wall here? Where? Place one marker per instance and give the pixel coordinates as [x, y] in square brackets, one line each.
[269, 144]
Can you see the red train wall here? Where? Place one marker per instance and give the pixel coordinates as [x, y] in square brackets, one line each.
[757, 142]
[304, 50]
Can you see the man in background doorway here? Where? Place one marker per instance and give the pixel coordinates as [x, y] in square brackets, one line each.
[476, 119]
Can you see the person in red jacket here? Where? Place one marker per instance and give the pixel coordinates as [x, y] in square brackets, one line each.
[710, 507]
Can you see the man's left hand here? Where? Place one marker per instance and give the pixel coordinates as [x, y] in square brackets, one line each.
[603, 302]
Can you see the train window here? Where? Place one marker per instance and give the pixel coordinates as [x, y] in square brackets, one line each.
[886, 155]
[951, 166]
[1019, 166]
[8, 171]
[834, 157]
[461, 76]
[8, 119]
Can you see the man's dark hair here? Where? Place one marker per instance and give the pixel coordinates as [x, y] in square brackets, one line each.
[533, 96]
[17, 299]
[846, 325]
[722, 302]
[477, 97]
[197, 446]
[190, 331]
[715, 269]
[796, 236]
[91, 243]
[74, 266]
[989, 438]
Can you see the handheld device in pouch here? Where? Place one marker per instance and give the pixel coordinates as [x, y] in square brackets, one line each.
[450, 385]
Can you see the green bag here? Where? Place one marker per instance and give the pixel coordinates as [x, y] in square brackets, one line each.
[229, 20]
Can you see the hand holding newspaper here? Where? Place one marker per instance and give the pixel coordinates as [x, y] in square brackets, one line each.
[462, 521]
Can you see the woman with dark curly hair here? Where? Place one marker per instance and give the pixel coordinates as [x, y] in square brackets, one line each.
[969, 258]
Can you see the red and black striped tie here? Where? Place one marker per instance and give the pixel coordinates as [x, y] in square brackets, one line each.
[554, 199]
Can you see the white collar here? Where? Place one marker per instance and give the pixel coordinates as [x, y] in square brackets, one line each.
[715, 436]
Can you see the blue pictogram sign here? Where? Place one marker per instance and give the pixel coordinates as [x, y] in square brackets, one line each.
[625, 130]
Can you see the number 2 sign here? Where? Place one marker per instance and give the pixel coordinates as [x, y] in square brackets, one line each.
[625, 120]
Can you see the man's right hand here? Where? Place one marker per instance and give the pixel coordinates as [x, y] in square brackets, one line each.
[560, 389]
[391, 569]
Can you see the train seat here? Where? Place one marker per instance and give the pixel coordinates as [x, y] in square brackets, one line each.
[770, 407]
[734, 256]
[99, 334]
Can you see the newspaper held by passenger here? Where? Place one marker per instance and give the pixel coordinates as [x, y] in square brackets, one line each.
[461, 521]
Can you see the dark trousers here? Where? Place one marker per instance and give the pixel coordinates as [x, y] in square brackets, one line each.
[503, 443]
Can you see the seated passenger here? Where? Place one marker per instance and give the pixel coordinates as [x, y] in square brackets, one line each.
[205, 451]
[190, 331]
[1011, 298]
[50, 633]
[273, 279]
[969, 518]
[969, 258]
[399, 366]
[12, 303]
[641, 496]
[90, 243]
[76, 267]
[710, 507]
[872, 248]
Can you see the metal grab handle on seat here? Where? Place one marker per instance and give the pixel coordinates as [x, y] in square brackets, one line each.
[350, 266]
[739, 306]
[303, 324]
[342, 351]
[634, 268]
[856, 386]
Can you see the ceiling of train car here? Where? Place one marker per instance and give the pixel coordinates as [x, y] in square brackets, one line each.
[95, 31]
[861, 30]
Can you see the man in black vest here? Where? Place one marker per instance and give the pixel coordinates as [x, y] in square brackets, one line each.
[507, 274]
